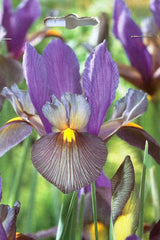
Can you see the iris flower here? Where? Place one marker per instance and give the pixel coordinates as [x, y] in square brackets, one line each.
[71, 151]
[17, 24]
[144, 69]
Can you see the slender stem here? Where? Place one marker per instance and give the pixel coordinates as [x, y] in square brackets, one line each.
[142, 192]
[94, 206]
[154, 190]
[111, 229]
[15, 190]
[80, 219]
[66, 211]
[31, 201]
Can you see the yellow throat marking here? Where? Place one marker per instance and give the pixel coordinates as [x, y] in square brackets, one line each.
[69, 135]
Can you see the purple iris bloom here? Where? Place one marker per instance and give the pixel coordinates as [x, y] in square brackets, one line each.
[143, 74]
[71, 151]
[70, 155]
[17, 23]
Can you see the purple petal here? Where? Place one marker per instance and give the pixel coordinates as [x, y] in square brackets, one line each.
[62, 68]
[0, 189]
[133, 105]
[155, 8]
[137, 137]
[69, 164]
[37, 81]
[18, 23]
[103, 200]
[13, 133]
[124, 28]
[101, 181]
[20, 101]
[2, 233]
[8, 217]
[126, 109]
[133, 237]
[100, 80]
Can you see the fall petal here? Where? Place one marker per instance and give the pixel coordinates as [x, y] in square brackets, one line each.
[13, 133]
[100, 80]
[69, 164]
[124, 28]
[137, 137]
[62, 68]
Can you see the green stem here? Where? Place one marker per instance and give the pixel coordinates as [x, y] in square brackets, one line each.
[94, 206]
[111, 229]
[31, 201]
[80, 219]
[66, 211]
[15, 190]
[154, 190]
[142, 192]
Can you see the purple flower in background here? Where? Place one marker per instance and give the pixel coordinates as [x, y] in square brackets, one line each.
[70, 155]
[144, 69]
[17, 24]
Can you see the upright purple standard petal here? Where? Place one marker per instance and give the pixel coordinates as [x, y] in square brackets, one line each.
[62, 68]
[56, 72]
[2, 233]
[155, 8]
[100, 80]
[37, 81]
[124, 28]
[18, 23]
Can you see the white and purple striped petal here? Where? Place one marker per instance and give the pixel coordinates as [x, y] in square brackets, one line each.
[69, 164]
[100, 80]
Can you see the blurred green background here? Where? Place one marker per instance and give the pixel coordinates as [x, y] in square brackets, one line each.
[40, 201]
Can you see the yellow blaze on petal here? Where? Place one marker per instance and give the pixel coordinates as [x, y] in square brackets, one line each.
[69, 135]
[130, 124]
[15, 119]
